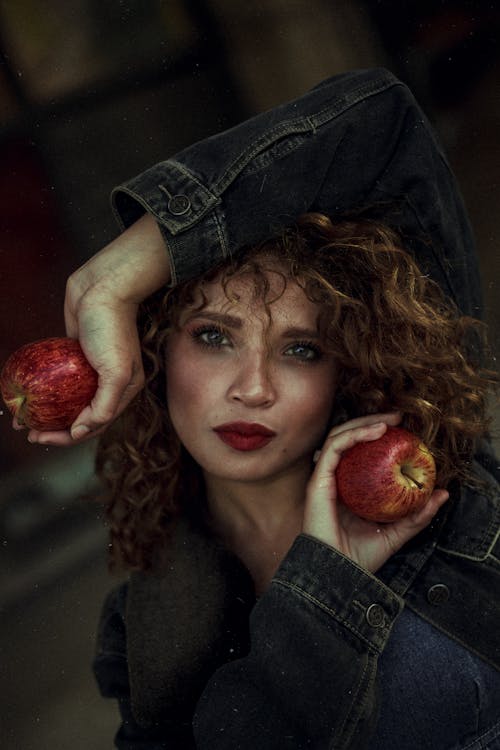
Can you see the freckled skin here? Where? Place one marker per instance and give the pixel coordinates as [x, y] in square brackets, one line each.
[47, 383]
[252, 380]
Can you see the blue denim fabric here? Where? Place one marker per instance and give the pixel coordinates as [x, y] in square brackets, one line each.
[434, 694]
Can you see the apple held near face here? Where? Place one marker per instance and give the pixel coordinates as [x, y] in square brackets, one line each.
[386, 479]
[47, 383]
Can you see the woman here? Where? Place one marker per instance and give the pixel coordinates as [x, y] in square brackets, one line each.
[358, 139]
[214, 504]
[325, 657]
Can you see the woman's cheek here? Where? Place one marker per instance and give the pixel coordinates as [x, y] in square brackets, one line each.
[311, 404]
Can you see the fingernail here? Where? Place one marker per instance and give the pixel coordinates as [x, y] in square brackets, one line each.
[80, 431]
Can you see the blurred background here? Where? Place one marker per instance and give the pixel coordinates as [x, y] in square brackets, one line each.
[92, 93]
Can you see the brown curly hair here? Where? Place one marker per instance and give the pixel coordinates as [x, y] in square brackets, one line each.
[398, 342]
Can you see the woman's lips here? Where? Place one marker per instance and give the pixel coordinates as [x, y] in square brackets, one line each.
[244, 436]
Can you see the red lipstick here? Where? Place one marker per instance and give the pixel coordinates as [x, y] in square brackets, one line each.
[244, 436]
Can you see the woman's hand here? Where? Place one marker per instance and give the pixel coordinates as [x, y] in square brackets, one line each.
[366, 543]
[100, 310]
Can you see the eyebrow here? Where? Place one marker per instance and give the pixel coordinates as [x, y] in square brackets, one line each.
[233, 321]
[301, 333]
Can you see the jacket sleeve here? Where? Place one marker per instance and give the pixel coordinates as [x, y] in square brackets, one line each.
[309, 678]
[359, 140]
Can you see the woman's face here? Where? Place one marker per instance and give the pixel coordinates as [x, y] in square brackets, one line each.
[250, 394]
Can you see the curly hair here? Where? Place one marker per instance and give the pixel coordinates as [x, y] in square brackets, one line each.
[398, 342]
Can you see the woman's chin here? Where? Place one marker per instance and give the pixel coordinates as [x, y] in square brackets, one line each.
[256, 470]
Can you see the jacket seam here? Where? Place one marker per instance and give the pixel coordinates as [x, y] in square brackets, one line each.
[361, 94]
[187, 172]
[474, 745]
[137, 198]
[465, 556]
[453, 637]
[381, 584]
[219, 225]
[295, 126]
[355, 703]
[327, 609]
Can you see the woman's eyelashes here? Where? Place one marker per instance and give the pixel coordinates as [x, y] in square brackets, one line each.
[305, 351]
[215, 337]
[210, 336]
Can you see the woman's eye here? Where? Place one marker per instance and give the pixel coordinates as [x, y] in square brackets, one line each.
[213, 337]
[304, 351]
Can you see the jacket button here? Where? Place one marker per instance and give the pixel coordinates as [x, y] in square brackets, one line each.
[179, 204]
[375, 616]
[438, 594]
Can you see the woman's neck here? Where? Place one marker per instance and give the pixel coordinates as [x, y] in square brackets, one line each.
[259, 507]
[258, 521]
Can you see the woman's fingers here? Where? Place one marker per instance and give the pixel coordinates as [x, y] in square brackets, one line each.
[117, 387]
[100, 311]
[339, 441]
[400, 532]
[346, 429]
[109, 339]
[391, 418]
[109, 402]
[367, 543]
[320, 515]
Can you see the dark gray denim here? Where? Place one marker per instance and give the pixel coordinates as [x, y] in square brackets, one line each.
[192, 658]
[330, 656]
[358, 140]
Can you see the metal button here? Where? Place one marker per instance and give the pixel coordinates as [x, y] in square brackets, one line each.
[179, 204]
[438, 594]
[375, 616]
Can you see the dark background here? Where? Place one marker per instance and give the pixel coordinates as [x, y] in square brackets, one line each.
[91, 93]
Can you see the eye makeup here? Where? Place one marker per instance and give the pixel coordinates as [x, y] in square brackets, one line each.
[306, 351]
[210, 335]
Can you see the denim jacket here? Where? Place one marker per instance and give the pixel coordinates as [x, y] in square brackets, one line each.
[196, 661]
[193, 658]
[357, 140]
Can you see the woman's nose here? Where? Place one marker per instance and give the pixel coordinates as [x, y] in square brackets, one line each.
[253, 384]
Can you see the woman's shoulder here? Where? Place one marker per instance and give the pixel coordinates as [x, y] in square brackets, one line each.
[458, 588]
[472, 526]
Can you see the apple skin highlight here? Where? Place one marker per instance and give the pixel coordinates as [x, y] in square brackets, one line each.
[47, 383]
[386, 479]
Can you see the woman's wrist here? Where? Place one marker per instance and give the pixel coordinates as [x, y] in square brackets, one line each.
[132, 266]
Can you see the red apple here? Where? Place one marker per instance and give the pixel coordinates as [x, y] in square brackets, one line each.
[47, 383]
[386, 479]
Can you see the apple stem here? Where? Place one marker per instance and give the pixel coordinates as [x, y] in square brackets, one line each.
[20, 411]
[412, 479]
